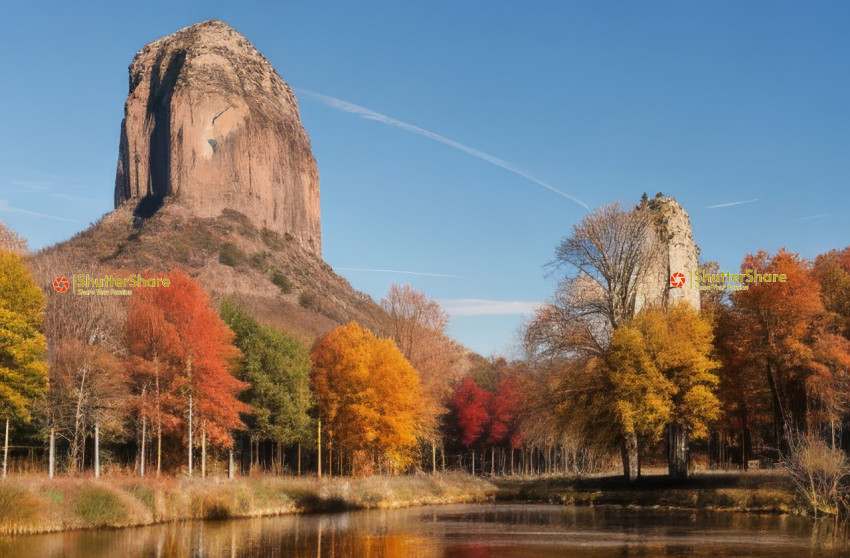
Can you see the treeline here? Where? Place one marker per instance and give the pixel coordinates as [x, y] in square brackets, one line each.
[751, 376]
[163, 382]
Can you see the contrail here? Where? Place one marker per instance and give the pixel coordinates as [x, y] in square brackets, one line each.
[818, 216]
[5, 207]
[372, 115]
[731, 204]
[397, 271]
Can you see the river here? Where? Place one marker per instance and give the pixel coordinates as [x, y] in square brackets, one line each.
[458, 531]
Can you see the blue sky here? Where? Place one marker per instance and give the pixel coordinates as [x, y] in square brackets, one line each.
[711, 102]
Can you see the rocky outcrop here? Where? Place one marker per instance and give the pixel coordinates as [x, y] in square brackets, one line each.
[209, 124]
[676, 252]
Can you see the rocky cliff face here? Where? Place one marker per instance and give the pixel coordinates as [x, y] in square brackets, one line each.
[677, 252]
[209, 124]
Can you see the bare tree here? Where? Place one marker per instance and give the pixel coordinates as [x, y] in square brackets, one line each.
[606, 262]
[615, 248]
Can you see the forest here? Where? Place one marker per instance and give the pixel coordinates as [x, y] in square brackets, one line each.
[167, 382]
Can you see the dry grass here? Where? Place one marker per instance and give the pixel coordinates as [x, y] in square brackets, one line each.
[37, 504]
[761, 492]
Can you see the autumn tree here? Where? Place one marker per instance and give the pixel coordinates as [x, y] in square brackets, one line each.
[94, 401]
[277, 368]
[605, 260]
[417, 326]
[779, 317]
[184, 352]
[23, 370]
[369, 396]
[678, 342]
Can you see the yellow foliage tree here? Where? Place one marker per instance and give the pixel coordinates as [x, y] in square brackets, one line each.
[369, 396]
[678, 342]
[23, 369]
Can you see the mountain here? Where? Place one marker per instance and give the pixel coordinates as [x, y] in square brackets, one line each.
[215, 177]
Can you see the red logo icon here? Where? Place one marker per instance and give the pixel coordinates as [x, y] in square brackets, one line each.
[677, 280]
[61, 284]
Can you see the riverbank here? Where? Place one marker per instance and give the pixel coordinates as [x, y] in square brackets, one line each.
[753, 492]
[37, 504]
[40, 505]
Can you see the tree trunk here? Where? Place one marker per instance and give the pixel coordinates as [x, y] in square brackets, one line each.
[96, 450]
[492, 461]
[190, 433]
[629, 452]
[158, 424]
[52, 451]
[434, 457]
[473, 463]
[677, 451]
[299, 459]
[204, 452]
[319, 438]
[230, 466]
[144, 435]
[6, 449]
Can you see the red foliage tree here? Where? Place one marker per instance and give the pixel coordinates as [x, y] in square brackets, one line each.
[182, 352]
[504, 412]
[472, 405]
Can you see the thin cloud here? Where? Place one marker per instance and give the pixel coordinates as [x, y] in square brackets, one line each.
[484, 307]
[730, 204]
[818, 216]
[397, 271]
[37, 185]
[369, 114]
[6, 208]
[71, 197]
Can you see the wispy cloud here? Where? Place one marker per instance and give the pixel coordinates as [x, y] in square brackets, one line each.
[404, 272]
[71, 197]
[484, 307]
[818, 216]
[6, 208]
[369, 114]
[32, 185]
[730, 204]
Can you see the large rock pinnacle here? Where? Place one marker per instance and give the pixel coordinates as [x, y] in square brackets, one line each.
[209, 124]
[677, 253]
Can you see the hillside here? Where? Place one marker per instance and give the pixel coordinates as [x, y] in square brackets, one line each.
[229, 255]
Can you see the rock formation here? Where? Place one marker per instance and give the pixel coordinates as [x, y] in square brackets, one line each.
[677, 252]
[210, 125]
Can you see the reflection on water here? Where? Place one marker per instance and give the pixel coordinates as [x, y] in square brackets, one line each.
[475, 531]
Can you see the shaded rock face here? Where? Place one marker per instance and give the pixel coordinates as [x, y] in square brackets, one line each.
[210, 125]
[676, 252]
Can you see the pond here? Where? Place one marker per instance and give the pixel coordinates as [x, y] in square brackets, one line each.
[474, 531]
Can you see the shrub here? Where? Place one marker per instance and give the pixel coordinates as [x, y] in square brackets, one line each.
[230, 255]
[308, 299]
[99, 507]
[818, 473]
[259, 261]
[281, 281]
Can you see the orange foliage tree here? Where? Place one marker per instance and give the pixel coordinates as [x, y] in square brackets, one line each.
[184, 359]
[793, 341]
[369, 398]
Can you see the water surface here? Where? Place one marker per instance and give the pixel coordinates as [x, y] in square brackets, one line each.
[462, 531]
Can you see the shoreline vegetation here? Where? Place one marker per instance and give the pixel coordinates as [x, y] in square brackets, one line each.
[36, 504]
